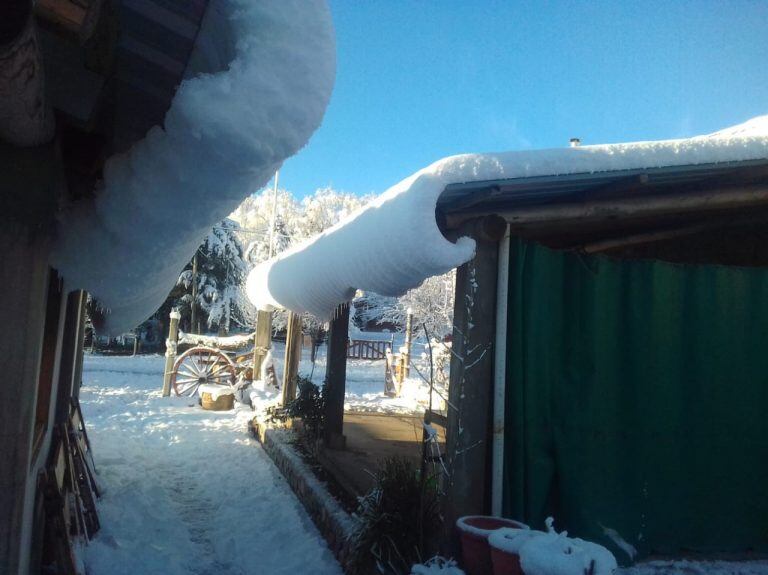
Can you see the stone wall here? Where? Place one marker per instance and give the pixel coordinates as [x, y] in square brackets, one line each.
[336, 525]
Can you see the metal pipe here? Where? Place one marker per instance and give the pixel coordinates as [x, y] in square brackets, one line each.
[500, 375]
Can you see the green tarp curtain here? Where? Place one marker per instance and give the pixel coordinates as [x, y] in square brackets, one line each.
[637, 400]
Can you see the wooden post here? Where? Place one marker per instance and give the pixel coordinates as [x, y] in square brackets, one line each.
[262, 341]
[468, 434]
[135, 342]
[407, 353]
[335, 378]
[292, 357]
[171, 347]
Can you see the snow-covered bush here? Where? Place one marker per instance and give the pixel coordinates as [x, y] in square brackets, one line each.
[309, 405]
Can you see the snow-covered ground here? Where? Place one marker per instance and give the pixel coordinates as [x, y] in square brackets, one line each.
[186, 491]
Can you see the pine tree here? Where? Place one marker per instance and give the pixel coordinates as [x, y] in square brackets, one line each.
[221, 273]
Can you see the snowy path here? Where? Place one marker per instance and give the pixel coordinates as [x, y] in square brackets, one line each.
[187, 491]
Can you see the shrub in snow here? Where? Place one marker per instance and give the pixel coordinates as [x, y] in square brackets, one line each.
[309, 405]
[399, 520]
[436, 566]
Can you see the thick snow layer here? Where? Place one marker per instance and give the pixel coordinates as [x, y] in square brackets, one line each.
[394, 243]
[557, 554]
[755, 127]
[228, 342]
[187, 491]
[215, 391]
[258, 83]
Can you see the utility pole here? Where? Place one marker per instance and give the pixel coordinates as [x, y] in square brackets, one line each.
[272, 222]
[193, 327]
[273, 219]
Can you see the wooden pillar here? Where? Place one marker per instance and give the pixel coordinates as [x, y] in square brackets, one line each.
[407, 352]
[468, 434]
[335, 378]
[262, 341]
[23, 293]
[292, 357]
[171, 348]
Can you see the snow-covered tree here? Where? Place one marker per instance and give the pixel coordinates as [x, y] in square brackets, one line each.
[255, 217]
[294, 221]
[325, 208]
[431, 302]
[221, 272]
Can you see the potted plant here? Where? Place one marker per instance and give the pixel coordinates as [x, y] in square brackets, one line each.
[474, 531]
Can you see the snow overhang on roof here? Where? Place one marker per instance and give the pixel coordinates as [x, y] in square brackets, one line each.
[395, 243]
[257, 85]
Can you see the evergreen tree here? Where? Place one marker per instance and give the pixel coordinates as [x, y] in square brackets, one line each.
[221, 273]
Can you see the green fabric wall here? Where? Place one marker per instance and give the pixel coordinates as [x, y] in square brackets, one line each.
[637, 400]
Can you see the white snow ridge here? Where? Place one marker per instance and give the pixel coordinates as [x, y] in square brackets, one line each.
[394, 244]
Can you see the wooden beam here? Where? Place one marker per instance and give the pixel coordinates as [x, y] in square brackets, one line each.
[262, 341]
[292, 357]
[171, 349]
[468, 435]
[637, 206]
[645, 238]
[335, 378]
[68, 15]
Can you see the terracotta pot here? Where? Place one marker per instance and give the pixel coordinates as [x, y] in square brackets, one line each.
[505, 563]
[475, 550]
[505, 545]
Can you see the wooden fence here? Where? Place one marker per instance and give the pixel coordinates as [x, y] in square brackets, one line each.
[368, 349]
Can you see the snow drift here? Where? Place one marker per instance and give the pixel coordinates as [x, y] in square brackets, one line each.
[258, 83]
[394, 243]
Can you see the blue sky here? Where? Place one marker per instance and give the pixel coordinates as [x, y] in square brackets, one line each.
[420, 80]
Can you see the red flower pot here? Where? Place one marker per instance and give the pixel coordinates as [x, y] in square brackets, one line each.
[475, 550]
[505, 563]
[505, 545]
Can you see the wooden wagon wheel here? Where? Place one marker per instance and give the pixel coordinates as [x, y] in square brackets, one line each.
[201, 365]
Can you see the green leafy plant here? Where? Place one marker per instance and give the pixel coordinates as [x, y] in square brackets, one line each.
[400, 520]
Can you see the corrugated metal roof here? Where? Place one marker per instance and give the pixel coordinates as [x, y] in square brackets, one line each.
[494, 196]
